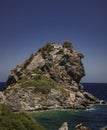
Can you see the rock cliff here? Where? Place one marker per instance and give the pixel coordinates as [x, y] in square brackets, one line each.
[49, 79]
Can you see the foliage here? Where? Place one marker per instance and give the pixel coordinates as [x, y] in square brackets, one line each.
[81, 55]
[24, 79]
[27, 62]
[15, 70]
[41, 84]
[17, 121]
[37, 71]
[47, 48]
[67, 45]
[61, 51]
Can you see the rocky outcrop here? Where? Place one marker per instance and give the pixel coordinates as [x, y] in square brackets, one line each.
[103, 102]
[49, 79]
[77, 127]
[2, 98]
[64, 126]
[81, 127]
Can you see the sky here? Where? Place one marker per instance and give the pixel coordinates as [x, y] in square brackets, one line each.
[27, 25]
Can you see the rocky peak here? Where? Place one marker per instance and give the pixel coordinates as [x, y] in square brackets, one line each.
[49, 79]
[51, 60]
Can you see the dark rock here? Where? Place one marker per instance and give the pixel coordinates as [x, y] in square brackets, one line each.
[77, 127]
[81, 127]
[90, 98]
[103, 102]
[11, 80]
[64, 126]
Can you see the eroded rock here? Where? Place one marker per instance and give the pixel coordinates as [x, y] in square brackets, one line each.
[49, 79]
[64, 126]
[81, 127]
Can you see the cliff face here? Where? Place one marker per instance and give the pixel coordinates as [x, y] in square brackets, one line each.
[49, 79]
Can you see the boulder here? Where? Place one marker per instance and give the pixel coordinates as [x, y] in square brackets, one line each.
[81, 127]
[64, 126]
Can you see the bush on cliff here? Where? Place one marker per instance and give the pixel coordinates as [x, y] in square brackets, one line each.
[67, 45]
[27, 62]
[61, 52]
[47, 48]
[40, 83]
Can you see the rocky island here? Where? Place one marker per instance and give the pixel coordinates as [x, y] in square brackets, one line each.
[49, 79]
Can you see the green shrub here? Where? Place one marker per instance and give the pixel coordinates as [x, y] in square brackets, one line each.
[42, 84]
[81, 55]
[61, 51]
[37, 71]
[23, 80]
[67, 45]
[47, 48]
[27, 62]
[4, 110]
[17, 121]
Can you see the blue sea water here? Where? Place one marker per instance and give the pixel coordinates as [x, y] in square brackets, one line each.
[97, 89]
[95, 117]
[2, 86]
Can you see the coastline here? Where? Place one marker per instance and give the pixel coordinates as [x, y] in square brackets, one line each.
[60, 109]
[88, 117]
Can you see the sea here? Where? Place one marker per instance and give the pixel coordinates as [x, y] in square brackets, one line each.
[95, 118]
[2, 86]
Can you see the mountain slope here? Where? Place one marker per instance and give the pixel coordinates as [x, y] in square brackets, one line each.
[49, 79]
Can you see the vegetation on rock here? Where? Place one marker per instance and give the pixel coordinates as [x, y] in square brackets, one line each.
[40, 83]
[61, 51]
[67, 45]
[27, 62]
[47, 48]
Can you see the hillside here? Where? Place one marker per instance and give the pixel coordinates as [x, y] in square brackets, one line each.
[49, 79]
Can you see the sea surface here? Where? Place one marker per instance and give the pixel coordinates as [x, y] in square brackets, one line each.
[2, 86]
[95, 117]
[97, 89]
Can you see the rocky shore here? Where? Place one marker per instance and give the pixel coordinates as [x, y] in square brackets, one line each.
[77, 127]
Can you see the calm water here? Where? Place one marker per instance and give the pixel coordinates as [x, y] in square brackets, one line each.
[2, 86]
[97, 89]
[95, 118]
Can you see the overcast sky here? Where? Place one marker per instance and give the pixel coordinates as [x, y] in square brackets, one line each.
[26, 25]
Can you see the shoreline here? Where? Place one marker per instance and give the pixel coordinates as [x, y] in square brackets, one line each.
[62, 109]
[58, 109]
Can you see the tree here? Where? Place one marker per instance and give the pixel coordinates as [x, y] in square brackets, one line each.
[68, 45]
